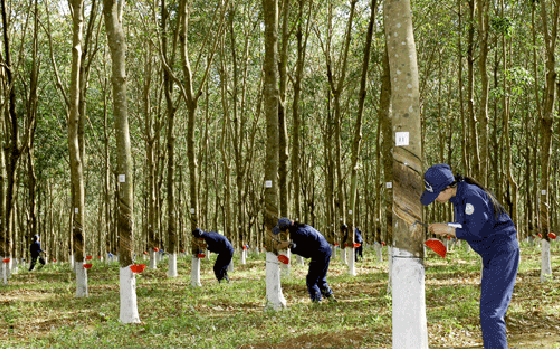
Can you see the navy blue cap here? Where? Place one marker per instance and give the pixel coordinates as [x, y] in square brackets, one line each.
[283, 223]
[437, 178]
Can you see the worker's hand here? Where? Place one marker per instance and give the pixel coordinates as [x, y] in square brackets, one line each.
[282, 245]
[441, 229]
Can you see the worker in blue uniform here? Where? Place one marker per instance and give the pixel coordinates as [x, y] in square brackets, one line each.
[307, 242]
[35, 253]
[218, 244]
[483, 222]
[358, 251]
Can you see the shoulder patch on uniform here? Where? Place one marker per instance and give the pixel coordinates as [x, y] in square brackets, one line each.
[469, 209]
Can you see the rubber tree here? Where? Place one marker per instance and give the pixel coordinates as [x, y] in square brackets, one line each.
[14, 149]
[113, 12]
[357, 142]
[191, 97]
[408, 272]
[274, 296]
[546, 128]
[76, 161]
[171, 111]
[336, 88]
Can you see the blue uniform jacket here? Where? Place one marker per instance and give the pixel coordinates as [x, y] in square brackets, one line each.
[308, 242]
[484, 232]
[217, 243]
[35, 249]
[358, 237]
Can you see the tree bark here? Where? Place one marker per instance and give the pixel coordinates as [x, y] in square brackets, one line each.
[274, 296]
[76, 164]
[357, 142]
[547, 116]
[408, 273]
[483, 11]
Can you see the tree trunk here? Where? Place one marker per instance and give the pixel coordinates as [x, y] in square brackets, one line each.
[336, 90]
[274, 296]
[408, 285]
[30, 130]
[387, 145]
[168, 87]
[482, 6]
[357, 143]
[13, 131]
[547, 117]
[113, 12]
[472, 122]
[76, 165]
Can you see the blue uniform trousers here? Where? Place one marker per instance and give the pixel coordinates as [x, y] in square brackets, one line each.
[316, 279]
[222, 263]
[496, 289]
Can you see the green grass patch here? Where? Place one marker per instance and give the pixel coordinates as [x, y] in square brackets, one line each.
[39, 309]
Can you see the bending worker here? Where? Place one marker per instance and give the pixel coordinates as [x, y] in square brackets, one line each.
[35, 253]
[218, 244]
[488, 229]
[309, 243]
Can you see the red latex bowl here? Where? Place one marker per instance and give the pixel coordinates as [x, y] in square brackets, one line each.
[156, 249]
[89, 257]
[356, 245]
[145, 252]
[87, 266]
[201, 255]
[98, 257]
[552, 236]
[437, 247]
[54, 260]
[182, 251]
[382, 244]
[337, 244]
[539, 235]
[137, 268]
[245, 247]
[283, 259]
[6, 260]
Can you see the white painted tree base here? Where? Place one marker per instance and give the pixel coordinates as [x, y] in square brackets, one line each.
[231, 266]
[333, 248]
[195, 271]
[409, 322]
[300, 260]
[286, 268]
[81, 280]
[243, 257]
[9, 270]
[378, 252]
[343, 256]
[274, 296]
[546, 267]
[15, 266]
[71, 259]
[390, 258]
[4, 272]
[129, 309]
[351, 261]
[153, 260]
[172, 271]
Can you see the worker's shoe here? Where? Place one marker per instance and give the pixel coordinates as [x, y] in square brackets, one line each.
[330, 297]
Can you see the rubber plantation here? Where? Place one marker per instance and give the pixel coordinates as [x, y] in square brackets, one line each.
[39, 309]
